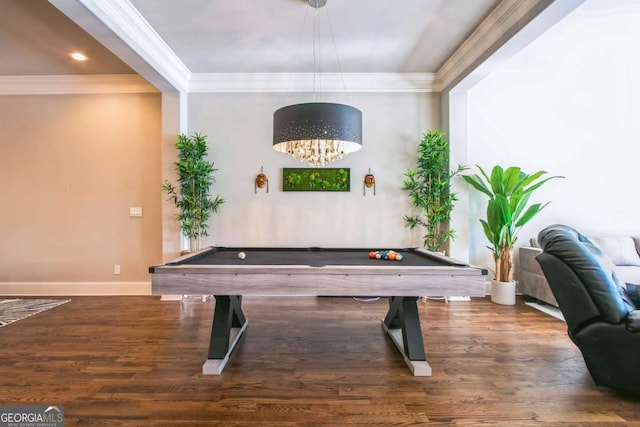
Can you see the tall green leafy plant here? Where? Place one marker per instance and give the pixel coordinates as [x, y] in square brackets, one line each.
[195, 176]
[429, 188]
[508, 210]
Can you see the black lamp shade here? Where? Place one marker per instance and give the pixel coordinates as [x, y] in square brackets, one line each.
[318, 121]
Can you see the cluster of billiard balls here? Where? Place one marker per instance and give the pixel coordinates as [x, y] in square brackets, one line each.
[390, 255]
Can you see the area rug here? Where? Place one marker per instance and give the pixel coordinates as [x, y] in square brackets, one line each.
[12, 310]
[547, 309]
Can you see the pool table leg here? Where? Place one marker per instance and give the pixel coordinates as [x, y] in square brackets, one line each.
[228, 325]
[402, 324]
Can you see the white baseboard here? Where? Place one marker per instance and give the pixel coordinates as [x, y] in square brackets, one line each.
[452, 299]
[546, 308]
[170, 297]
[74, 288]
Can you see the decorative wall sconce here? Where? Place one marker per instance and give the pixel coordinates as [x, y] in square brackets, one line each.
[369, 181]
[261, 181]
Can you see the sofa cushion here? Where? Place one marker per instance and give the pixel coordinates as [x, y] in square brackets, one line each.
[633, 292]
[627, 274]
[621, 250]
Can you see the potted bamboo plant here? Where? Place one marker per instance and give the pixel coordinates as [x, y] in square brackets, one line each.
[508, 210]
[429, 188]
[195, 176]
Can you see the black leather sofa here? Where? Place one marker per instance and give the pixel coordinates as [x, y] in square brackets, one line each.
[601, 316]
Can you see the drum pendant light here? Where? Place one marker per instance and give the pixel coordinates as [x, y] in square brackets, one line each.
[317, 133]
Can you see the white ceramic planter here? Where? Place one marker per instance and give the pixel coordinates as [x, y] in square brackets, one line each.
[503, 292]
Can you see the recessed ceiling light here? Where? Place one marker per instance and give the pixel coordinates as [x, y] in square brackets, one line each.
[79, 56]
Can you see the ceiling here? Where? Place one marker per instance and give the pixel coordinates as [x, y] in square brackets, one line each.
[249, 36]
[36, 39]
[271, 36]
[196, 45]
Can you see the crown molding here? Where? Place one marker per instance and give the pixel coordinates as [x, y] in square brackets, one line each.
[218, 83]
[498, 24]
[74, 84]
[304, 82]
[121, 17]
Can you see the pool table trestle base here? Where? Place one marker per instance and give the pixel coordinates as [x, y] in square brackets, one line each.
[402, 324]
[215, 366]
[228, 326]
[419, 368]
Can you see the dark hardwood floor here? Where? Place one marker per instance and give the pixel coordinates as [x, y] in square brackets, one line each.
[136, 361]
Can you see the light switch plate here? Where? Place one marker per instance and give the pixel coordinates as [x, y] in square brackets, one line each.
[136, 212]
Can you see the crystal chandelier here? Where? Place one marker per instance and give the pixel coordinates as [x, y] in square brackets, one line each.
[314, 152]
[317, 133]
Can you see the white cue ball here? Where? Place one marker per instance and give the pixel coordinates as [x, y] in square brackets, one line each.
[241, 255]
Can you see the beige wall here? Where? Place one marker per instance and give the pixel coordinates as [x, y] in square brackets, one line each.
[71, 166]
[240, 128]
[74, 165]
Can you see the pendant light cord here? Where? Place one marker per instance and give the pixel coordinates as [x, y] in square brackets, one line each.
[317, 79]
[335, 48]
[316, 51]
[297, 51]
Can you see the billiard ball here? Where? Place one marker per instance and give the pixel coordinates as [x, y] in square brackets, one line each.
[399, 257]
[241, 255]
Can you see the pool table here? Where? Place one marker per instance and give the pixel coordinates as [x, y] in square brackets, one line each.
[221, 272]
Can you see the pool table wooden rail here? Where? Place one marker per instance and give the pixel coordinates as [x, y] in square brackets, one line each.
[291, 281]
[388, 279]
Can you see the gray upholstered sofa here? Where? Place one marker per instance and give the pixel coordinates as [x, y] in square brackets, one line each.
[622, 250]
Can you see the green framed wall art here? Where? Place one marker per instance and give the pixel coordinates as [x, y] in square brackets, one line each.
[314, 179]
